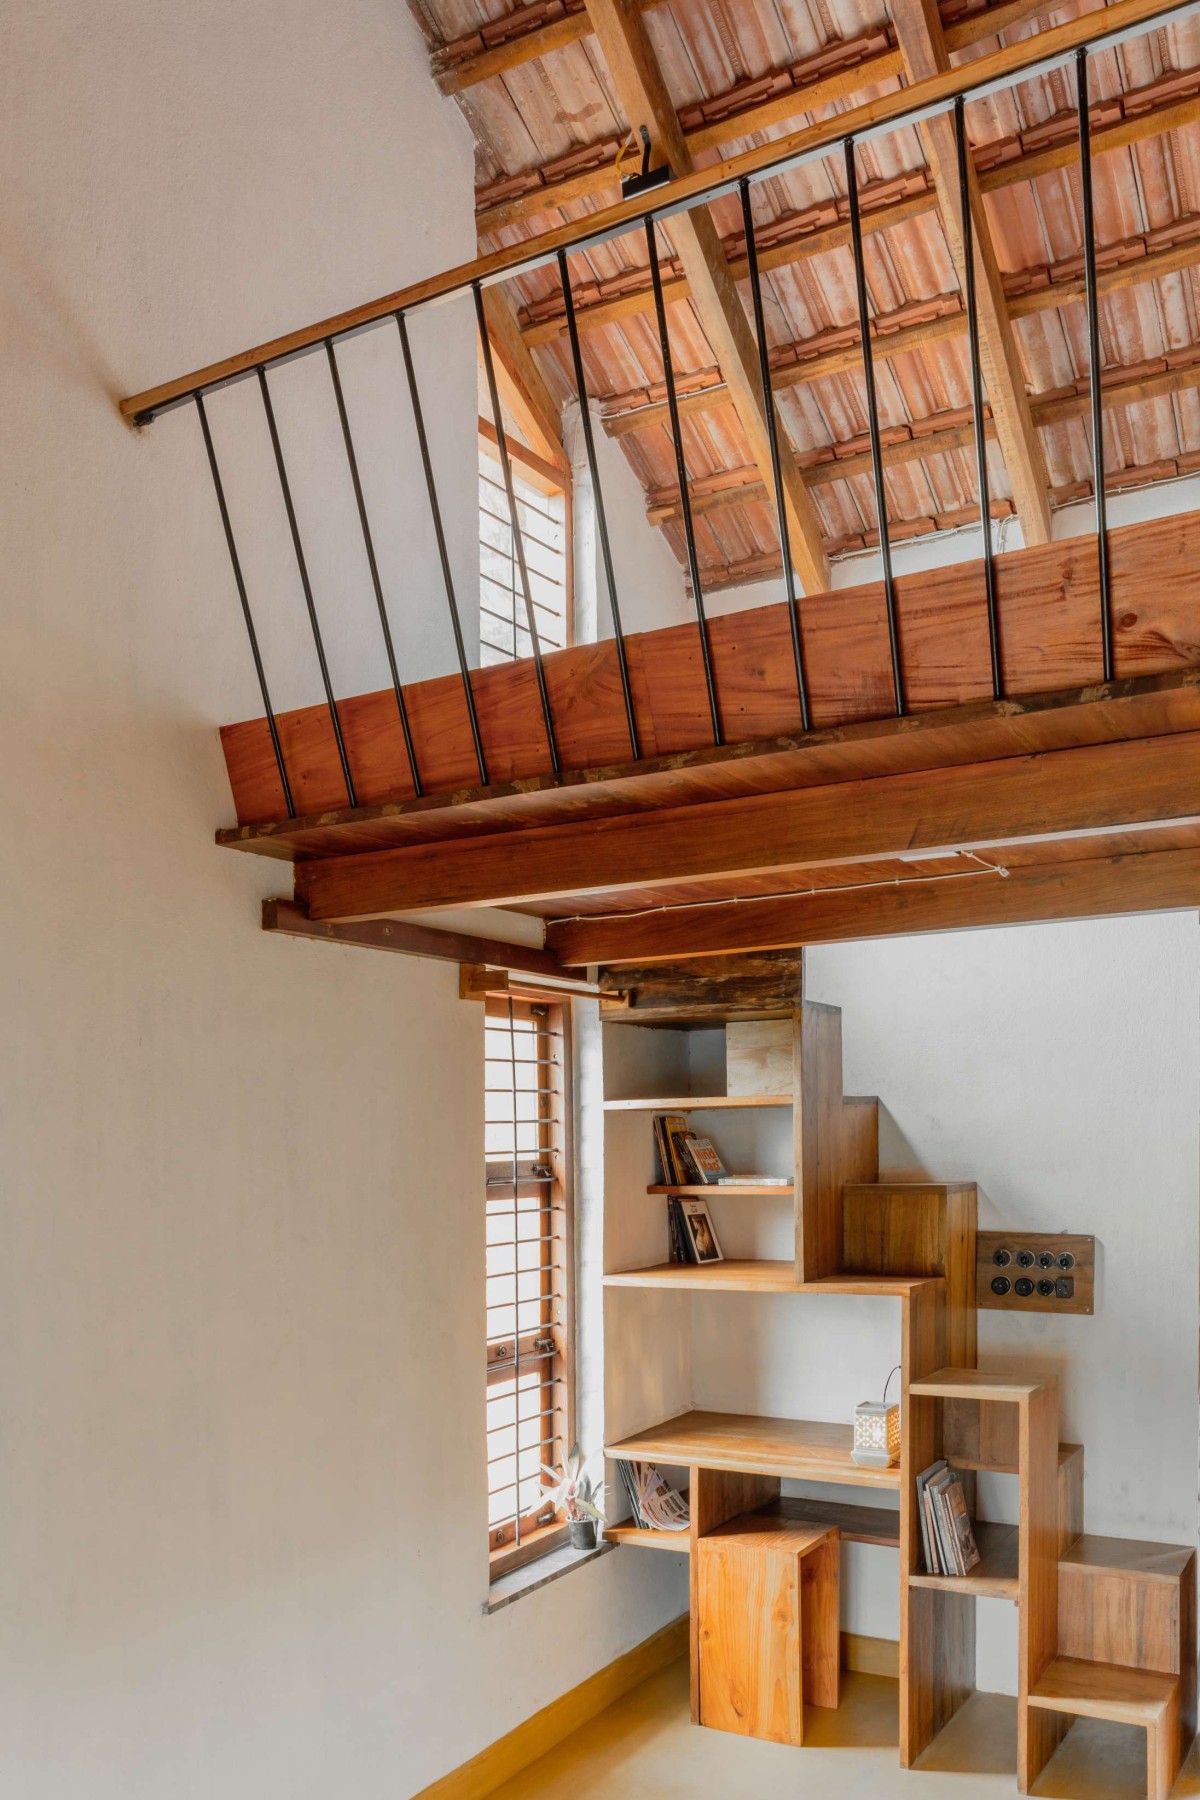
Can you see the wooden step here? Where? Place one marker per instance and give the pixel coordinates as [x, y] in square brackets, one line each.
[979, 1384]
[796, 1449]
[761, 1277]
[1094, 1690]
[857, 1524]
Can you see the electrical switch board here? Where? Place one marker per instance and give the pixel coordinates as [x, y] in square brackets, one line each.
[1035, 1271]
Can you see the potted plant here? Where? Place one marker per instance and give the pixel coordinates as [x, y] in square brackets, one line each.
[577, 1492]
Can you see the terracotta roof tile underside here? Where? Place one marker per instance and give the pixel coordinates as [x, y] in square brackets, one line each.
[555, 115]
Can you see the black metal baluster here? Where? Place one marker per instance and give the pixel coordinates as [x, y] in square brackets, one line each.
[1095, 370]
[369, 546]
[246, 613]
[585, 418]
[489, 370]
[885, 548]
[969, 295]
[685, 498]
[304, 582]
[414, 396]
[764, 367]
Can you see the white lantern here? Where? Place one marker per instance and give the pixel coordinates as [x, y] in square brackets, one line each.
[876, 1432]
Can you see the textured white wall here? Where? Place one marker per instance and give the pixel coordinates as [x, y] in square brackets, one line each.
[241, 1291]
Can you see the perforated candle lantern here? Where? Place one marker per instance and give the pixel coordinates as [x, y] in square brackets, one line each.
[876, 1432]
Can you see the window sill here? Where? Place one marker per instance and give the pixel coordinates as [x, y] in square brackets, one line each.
[539, 1574]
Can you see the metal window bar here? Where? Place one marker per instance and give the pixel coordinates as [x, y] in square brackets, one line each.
[524, 1254]
[244, 598]
[885, 548]
[414, 396]
[489, 370]
[589, 444]
[1095, 367]
[685, 498]
[372, 564]
[764, 369]
[302, 566]
[981, 468]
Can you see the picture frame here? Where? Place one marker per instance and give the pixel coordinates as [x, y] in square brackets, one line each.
[701, 1233]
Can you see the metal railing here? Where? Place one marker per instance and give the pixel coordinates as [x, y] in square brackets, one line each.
[941, 94]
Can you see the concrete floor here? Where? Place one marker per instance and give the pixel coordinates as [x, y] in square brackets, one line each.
[646, 1748]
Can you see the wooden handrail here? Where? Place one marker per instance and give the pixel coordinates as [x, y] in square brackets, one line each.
[933, 94]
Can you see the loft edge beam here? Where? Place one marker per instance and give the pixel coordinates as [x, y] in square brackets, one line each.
[286, 919]
[1099, 787]
[1094, 887]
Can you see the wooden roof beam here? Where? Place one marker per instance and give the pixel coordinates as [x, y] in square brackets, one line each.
[920, 36]
[1120, 388]
[807, 363]
[522, 386]
[1097, 788]
[863, 62]
[807, 236]
[1093, 887]
[644, 98]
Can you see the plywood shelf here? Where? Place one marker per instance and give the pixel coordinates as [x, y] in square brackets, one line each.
[793, 1449]
[697, 1102]
[736, 1188]
[995, 1575]
[734, 1277]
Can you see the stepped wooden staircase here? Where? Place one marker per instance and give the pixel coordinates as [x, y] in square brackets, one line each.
[1107, 1625]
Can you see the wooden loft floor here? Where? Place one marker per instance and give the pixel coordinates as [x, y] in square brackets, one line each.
[1068, 798]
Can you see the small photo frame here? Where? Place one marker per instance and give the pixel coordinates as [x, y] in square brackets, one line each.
[702, 1236]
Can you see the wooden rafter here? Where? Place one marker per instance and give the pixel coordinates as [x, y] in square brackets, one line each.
[644, 98]
[1102, 787]
[920, 36]
[1121, 388]
[1122, 266]
[522, 387]
[811, 233]
[836, 72]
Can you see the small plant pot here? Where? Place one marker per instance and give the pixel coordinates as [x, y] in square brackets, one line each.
[582, 1533]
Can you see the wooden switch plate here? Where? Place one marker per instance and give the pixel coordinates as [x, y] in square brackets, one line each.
[1055, 1244]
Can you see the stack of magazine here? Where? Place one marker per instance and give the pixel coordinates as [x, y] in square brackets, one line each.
[656, 1507]
[946, 1535]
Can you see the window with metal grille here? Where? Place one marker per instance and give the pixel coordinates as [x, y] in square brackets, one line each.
[543, 518]
[530, 1270]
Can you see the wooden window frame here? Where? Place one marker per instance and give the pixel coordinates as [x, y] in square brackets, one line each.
[516, 1542]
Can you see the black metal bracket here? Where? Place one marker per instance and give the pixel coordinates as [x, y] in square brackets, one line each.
[647, 178]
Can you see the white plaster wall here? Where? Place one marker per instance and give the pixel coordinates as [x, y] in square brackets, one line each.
[649, 582]
[241, 1292]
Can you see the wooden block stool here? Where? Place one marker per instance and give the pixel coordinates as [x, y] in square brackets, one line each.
[767, 1639]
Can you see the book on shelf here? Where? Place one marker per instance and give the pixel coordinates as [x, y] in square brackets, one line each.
[691, 1235]
[656, 1506]
[779, 1181]
[670, 1131]
[702, 1154]
[675, 1233]
[947, 1537]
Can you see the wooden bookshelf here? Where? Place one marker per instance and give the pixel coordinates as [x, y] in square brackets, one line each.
[698, 1103]
[792, 1449]
[996, 1573]
[761, 1277]
[706, 1190]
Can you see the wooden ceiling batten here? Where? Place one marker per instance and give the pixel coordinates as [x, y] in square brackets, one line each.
[648, 107]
